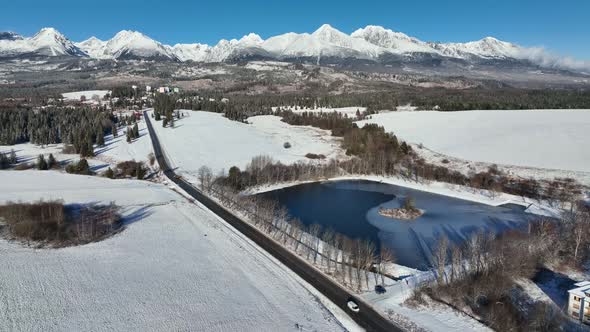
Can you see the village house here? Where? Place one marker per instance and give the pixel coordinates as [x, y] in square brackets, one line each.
[579, 302]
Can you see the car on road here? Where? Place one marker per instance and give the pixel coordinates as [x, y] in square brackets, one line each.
[353, 306]
[379, 289]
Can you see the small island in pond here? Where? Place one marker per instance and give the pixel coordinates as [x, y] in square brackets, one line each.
[408, 211]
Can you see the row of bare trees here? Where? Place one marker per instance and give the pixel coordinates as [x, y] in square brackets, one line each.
[354, 263]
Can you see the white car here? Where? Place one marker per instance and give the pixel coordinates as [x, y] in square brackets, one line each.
[353, 306]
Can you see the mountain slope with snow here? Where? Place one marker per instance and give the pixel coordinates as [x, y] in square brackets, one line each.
[47, 42]
[369, 43]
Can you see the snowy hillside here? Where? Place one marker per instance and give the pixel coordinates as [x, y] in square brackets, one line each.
[209, 139]
[552, 139]
[128, 45]
[47, 41]
[395, 42]
[175, 267]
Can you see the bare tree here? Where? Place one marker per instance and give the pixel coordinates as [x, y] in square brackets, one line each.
[368, 259]
[440, 258]
[314, 241]
[386, 257]
[327, 238]
[456, 263]
[204, 176]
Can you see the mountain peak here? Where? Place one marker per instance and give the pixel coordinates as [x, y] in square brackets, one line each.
[325, 29]
[251, 38]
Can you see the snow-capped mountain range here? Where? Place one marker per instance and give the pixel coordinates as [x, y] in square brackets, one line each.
[369, 43]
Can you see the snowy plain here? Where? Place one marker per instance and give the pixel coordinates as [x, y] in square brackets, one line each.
[89, 94]
[209, 139]
[176, 266]
[550, 139]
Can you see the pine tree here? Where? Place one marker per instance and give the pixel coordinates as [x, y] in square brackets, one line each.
[135, 131]
[83, 167]
[109, 173]
[114, 130]
[4, 162]
[12, 159]
[140, 171]
[100, 137]
[41, 163]
[51, 162]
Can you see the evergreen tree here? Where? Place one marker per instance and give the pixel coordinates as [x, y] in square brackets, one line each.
[165, 122]
[109, 173]
[51, 162]
[140, 171]
[100, 137]
[114, 130]
[4, 162]
[12, 159]
[83, 168]
[41, 163]
[135, 131]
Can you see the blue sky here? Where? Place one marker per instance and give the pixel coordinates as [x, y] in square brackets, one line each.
[562, 27]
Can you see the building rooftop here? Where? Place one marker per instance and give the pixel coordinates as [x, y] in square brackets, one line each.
[582, 289]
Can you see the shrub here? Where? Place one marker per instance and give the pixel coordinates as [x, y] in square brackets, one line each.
[54, 224]
[130, 168]
[315, 156]
[81, 167]
[24, 166]
[409, 204]
[41, 163]
[287, 145]
[109, 173]
[69, 149]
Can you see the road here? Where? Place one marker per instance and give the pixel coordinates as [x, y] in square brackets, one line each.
[367, 317]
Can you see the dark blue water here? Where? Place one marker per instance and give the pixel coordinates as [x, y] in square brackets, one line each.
[351, 208]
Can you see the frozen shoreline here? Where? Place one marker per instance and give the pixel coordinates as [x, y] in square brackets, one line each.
[461, 192]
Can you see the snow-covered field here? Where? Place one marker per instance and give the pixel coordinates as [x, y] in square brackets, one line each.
[204, 138]
[175, 267]
[551, 139]
[116, 149]
[89, 94]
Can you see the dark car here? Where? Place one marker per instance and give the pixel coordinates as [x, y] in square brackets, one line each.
[380, 289]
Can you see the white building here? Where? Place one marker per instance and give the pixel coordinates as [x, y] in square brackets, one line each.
[163, 89]
[176, 90]
[579, 302]
[148, 88]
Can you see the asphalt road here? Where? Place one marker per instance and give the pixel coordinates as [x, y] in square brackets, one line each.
[367, 317]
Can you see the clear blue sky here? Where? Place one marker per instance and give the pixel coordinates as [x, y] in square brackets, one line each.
[561, 26]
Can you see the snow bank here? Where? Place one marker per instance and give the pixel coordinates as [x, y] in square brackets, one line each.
[553, 139]
[175, 267]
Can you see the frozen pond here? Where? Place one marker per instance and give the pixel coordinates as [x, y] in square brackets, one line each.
[351, 208]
